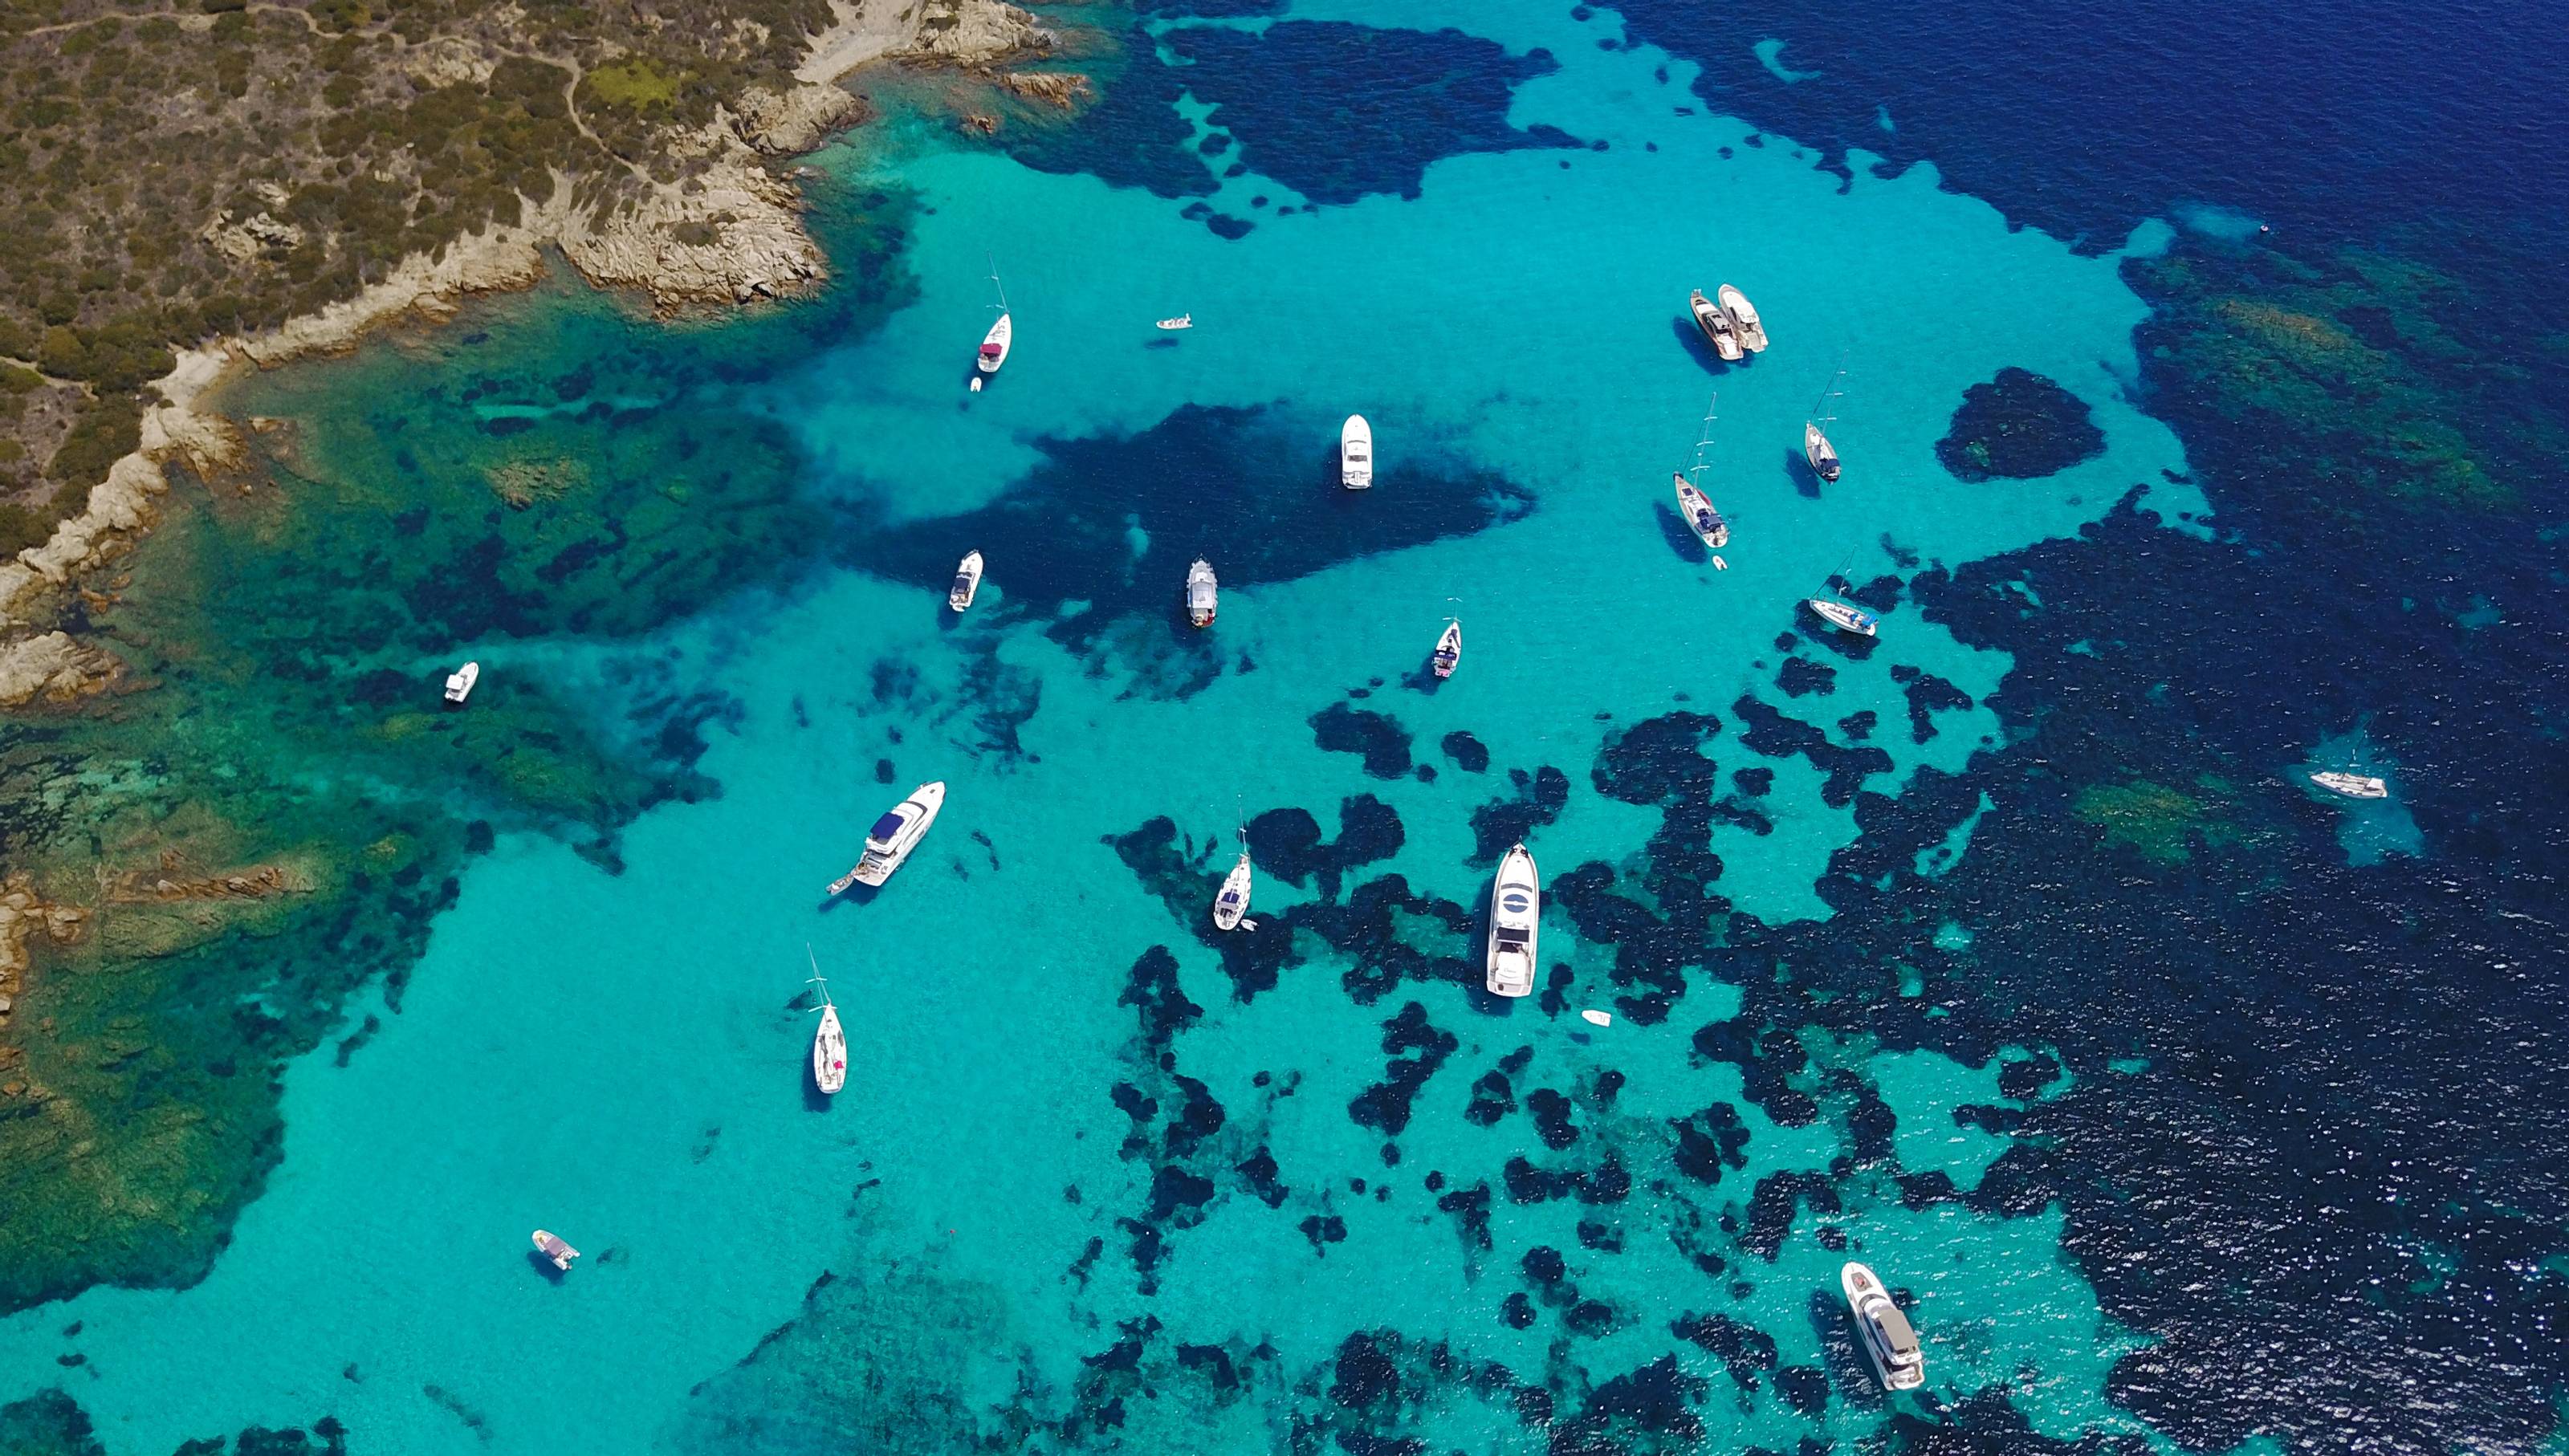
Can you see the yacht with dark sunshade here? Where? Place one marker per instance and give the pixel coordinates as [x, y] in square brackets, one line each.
[894, 836]
[1516, 909]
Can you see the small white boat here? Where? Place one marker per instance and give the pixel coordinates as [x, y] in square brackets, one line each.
[967, 581]
[1717, 328]
[1595, 1017]
[458, 683]
[2352, 785]
[551, 1247]
[830, 1042]
[1233, 903]
[1355, 454]
[1516, 910]
[1844, 617]
[1182, 321]
[1449, 649]
[894, 837]
[994, 344]
[1743, 318]
[1816, 449]
[1203, 593]
[1889, 1343]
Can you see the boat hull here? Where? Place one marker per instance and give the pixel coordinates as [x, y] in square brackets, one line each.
[458, 683]
[883, 856]
[967, 583]
[1204, 595]
[995, 345]
[829, 1052]
[1843, 617]
[1861, 1288]
[1355, 454]
[2352, 785]
[1449, 652]
[1823, 457]
[1744, 320]
[1516, 916]
[1233, 902]
[1701, 518]
[1718, 331]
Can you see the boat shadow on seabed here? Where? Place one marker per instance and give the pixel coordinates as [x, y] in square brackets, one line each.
[1699, 349]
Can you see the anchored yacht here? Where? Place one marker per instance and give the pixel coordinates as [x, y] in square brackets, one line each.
[551, 1247]
[1203, 593]
[1516, 907]
[1692, 503]
[1844, 617]
[458, 683]
[1717, 328]
[1816, 449]
[894, 836]
[1743, 318]
[1233, 903]
[2352, 785]
[1182, 321]
[994, 344]
[1449, 649]
[1355, 454]
[830, 1042]
[1889, 1343]
[967, 581]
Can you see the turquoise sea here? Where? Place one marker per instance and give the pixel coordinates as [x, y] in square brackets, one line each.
[1088, 1187]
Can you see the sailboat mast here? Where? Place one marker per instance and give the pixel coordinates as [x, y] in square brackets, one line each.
[1703, 441]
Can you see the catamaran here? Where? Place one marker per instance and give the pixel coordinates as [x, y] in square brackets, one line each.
[1516, 909]
[1355, 454]
[2352, 785]
[1889, 1343]
[967, 581]
[1743, 318]
[1449, 649]
[551, 1247]
[830, 1043]
[1717, 328]
[994, 344]
[1203, 593]
[1816, 449]
[894, 837]
[1233, 902]
[1693, 503]
[458, 683]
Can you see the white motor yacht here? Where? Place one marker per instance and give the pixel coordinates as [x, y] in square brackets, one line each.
[551, 1247]
[458, 683]
[1203, 593]
[967, 581]
[1182, 321]
[1717, 328]
[1698, 514]
[1889, 1343]
[1233, 903]
[894, 837]
[1516, 910]
[1449, 651]
[1355, 454]
[2352, 785]
[1844, 617]
[1743, 318]
[830, 1042]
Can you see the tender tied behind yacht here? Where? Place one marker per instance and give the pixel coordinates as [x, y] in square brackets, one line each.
[1203, 593]
[1889, 1343]
[1743, 318]
[1844, 617]
[2352, 785]
[894, 836]
[1699, 514]
[1355, 454]
[1233, 902]
[967, 581]
[1449, 651]
[1717, 328]
[551, 1247]
[1516, 909]
[1819, 451]
[458, 683]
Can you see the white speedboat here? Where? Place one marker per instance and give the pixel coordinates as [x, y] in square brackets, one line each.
[1233, 903]
[551, 1247]
[994, 344]
[2352, 785]
[1355, 454]
[1203, 593]
[1699, 513]
[830, 1042]
[894, 837]
[1743, 318]
[1717, 328]
[1516, 909]
[1819, 451]
[1844, 617]
[458, 683]
[1889, 1343]
[967, 581]
[1449, 651]
[1182, 321]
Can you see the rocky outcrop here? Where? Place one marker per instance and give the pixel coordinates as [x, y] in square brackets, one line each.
[974, 32]
[785, 124]
[1064, 89]
[54, 666]
[727, 236]
[23, 916]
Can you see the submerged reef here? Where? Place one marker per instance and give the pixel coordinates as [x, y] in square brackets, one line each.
[2019, 425]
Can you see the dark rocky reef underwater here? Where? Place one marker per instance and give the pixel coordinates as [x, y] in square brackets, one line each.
[50, 1423]
[2019, 425]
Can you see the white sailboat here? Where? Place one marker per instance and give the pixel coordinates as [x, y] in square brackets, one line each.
[1449, 649]
[2352, 785]
[1204, 593]
[1693, 503]
[894, 837]
[995, 343]
[1355, 454]
[830, 1042]
[1845, 616]
[1182, 321]
[1516, 912]
[1717, 328]
[1743, 318]
[1816, 449]
[967, 583]
[458, 683]
[551, 1247]
[1889, 1343]
[1233, 902]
